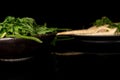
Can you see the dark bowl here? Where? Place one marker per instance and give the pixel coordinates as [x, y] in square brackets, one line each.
[13, 48]
[99, 44]
[89, 44]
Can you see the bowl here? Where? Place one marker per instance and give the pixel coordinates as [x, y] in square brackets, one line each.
[16, 48]
[89, 44]
[98, 44]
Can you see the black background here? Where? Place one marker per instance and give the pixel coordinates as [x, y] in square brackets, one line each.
[70, 14]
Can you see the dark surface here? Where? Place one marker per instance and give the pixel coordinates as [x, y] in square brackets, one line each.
[38, 67]
[84, 66]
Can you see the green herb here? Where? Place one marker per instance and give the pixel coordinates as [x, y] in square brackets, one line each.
[24, 27]
[26, 37]
[103, 21]
[106, 21]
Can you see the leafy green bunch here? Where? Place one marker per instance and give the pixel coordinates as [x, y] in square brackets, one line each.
[106, 21]
[23, 28]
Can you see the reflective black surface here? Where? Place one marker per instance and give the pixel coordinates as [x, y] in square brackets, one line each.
[38, 67]
[83, 66]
